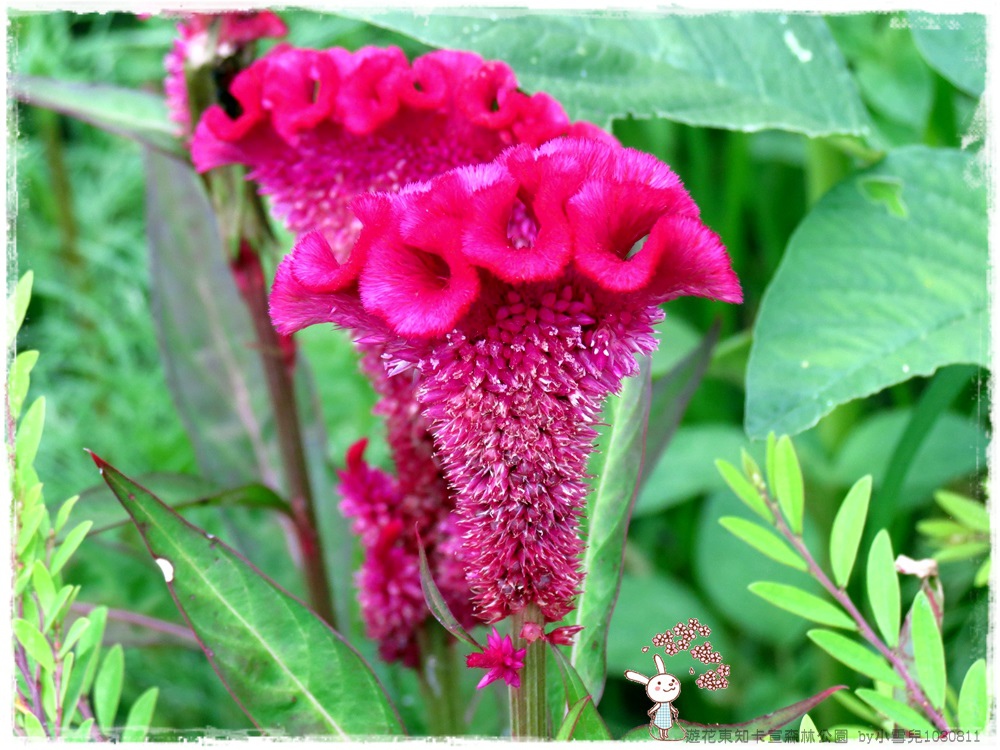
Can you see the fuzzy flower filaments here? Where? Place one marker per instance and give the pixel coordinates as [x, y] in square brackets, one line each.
[521, 291]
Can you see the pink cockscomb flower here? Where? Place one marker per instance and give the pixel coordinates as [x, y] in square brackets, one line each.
[521, 292]
[500, 658]
[235, 31]
[315, 128]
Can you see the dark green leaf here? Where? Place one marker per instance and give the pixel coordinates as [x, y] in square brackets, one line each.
[589, 725]
[973, 701]
[928, 651]
[616, 468]
[283, 664]
[764, 541]
[437, 605]
[848, 527]
[888, 287]
[964, 510]
[134, 114]
[108, 688]
[803, 604]
[568, 730]
[955, 46]
[883, 588]
[854, 655]
[766, 71]
[899, 713]
[140, 716]
[787, 484]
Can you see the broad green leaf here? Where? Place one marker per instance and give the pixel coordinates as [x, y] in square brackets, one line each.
[744, 490]
[764, 541]
[73, 635]
[899, 713]
[69, 545]
[762, 724]
[108, 688]
[436, 602]
[973, 700]
[859, 658]
[282, 663]
[138, 115]
[589, 725]
[568, 729]
[928, 651]
[63, 515]
[966, 511]
[616, 468]
[35, 644]
[884, 280]
[787, 483]
[17, 306]
[766, 71]
[955, 46]
[18, 381]
[140, 716]
[803, 604]
[848, 527]
[807, 730]
[883, 588]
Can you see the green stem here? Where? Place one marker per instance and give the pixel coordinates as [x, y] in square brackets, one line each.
[826, 165]
[439, 681]
[528, 710]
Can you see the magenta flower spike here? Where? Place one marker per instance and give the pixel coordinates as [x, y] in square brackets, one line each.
[500, 658]
[521, 292]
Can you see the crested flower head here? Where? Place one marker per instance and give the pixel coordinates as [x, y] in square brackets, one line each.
[235, 30]
[317, 127]
[521, 292]
[501, 659]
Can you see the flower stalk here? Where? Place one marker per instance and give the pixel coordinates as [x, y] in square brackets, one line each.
[528, 707]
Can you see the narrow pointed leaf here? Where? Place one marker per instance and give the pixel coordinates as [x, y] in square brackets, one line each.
[883, 588]
[763, 724]
[108, 688]
[764, 541]
[770, 457]
[29, 434]
[140, 716]
[848, 527]
[17, 305]
[787, 483]
[568, 730]
[69, 545]
[18, 381]
[589, 725]
[973, 700]
[983, 574]
[966, 511]
[284, 666]
[82, 732]
[803, 604]
[854, 655]
[617, 468]
[32, 726]
[35, 644]
[807, 730]
[31, 519]
[962, 551]
[76, 630]
[899, 713]
[133, 114]
[63, 515]
[45, 588]
[928, 651]
[436, 602]
[744, 490]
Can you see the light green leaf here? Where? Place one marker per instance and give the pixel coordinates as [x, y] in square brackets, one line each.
[63, 515]
[131, 113]
[617, 468]
[284, 665]
[31, 519]
[589, 725]
[802, 603]
[744, 490]
[108, 688]
[883, 588]
[848, 526]
[35, 644]
[48, 694]
[73, 540]
[568, 729]
[966, 511]
[32, 726]
[41, 579]
[928, 651]
[82, 732]
[807, 730]
[764, 541]
[955, 46]
[76, 630]
[899, 713]
[884, 280]
[766, 71]
[19, 380]
[60, 604]
[29, 434]
[771, 454]
[67, 675]
[140, 716]
[962, 551]
[17, 305]
[973, 700]
[88, 654]
[859, 658]
[983, 574]
[787, 483]
[942, 529]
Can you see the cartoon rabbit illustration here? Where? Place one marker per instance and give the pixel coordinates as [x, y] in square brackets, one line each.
[663, 689]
